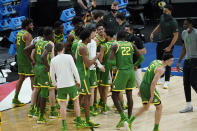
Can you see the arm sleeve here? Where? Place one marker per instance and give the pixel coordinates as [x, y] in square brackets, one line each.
[74, 70]
[52, 74]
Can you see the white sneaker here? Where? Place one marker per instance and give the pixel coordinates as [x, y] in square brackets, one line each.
[165, 86]
[186, 109]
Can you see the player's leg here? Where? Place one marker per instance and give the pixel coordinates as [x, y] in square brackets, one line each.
[158, 113]
[44, 93]
[19, 83]
[130, 102]
[119, 84]
[34, 97]
[53, 113]
[63, 114]
[85, 90]
[62, 98]
[93, 85]
[105, 87]
[124, 107]
[74, 96]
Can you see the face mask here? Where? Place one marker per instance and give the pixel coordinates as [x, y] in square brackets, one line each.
[114, 10]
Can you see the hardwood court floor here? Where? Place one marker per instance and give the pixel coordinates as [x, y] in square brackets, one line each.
[173, 100]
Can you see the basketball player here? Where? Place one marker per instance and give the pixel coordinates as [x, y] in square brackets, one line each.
[148, 90]
[44, 51]
[100, 39]
[92, 48]
[83, 63]
[125, 77]
[104, 59]
[24, 39]
[63, 67]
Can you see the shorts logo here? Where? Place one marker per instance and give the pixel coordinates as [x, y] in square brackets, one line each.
[94, 83]
[114, 86]
[46, 83]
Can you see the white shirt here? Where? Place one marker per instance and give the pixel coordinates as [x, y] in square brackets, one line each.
[64, 68]
[92, 46]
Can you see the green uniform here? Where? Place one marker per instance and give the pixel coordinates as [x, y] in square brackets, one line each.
[63, 92]
[146, 83]
[93, 79]
[100, 42]
[42, 78]
[107, 63]
[125, 76]
[58, 38]
[24, 65]
[84, 72]
[74, 45]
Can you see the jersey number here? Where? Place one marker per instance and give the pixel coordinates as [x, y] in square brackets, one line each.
[126, 50]
[39, 50]
[18, 40]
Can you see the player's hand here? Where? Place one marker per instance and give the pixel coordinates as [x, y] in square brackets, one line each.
[167, 49]
[78, 85]
[135, 68]
[178, 67]
[98, 55]
[151, 37]
[139, 94]
[102, 69]
[150, 100]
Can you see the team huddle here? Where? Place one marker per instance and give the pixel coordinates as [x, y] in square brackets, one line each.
[93, 59]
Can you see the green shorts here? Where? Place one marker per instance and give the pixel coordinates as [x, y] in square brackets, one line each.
[44, 92]
[93, 79]
[85, 83]
[105, 78]
[124, 80]
[145, 94]
[98, 74]
[25, 70]
[42, 78]
[63, 92]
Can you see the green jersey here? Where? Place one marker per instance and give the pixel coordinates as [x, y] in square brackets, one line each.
[21, 57]
[82, 69]
[58, 38]
[150, 73]
[100, 42]
[107, 47]
[124, 55]
[39, 49]
[74, 45]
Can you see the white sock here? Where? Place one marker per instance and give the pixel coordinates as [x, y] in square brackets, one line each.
[189, 104]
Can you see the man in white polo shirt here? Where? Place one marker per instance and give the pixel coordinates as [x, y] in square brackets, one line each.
[65, 77]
